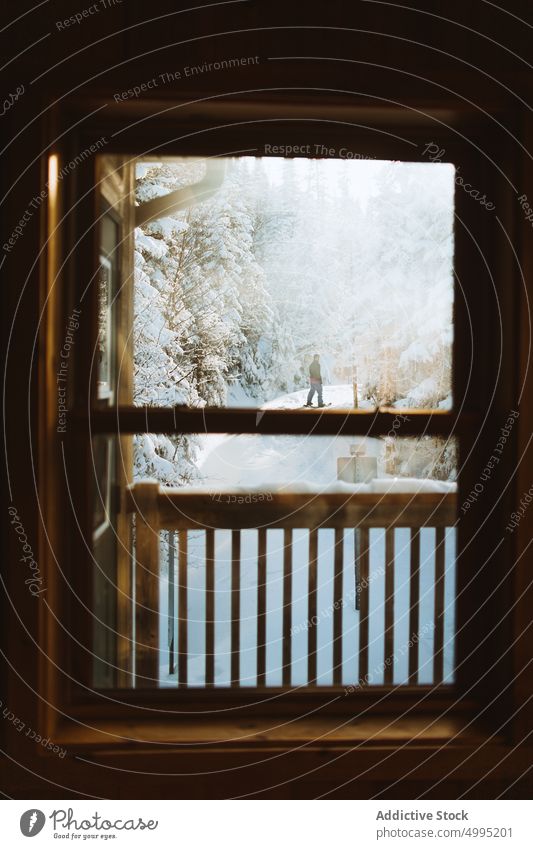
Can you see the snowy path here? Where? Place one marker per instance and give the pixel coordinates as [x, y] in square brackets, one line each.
[340, 396]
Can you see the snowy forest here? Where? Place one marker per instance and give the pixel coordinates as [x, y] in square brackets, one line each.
[349, 259]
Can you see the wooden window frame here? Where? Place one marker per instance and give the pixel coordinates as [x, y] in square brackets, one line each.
[69, 703]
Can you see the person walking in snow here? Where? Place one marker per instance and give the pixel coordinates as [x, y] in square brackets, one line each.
[315, 380]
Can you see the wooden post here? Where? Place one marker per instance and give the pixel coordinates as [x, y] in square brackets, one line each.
[209, 607]
[312, 603]
[183, 614]
[357, 570]
[261, 606]
[414, 607]
[364, 568]
[389, 606]
[438, 650]
[338, 570]
[171, 600]
[287, 608]
[235, 608]
[147, 585]
[390, 457]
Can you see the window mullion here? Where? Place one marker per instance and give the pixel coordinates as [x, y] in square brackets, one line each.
[126, 419]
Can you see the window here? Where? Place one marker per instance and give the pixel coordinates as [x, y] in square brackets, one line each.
[158, 623]
[234, 289]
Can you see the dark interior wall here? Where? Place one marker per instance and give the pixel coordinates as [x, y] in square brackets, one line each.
[133, 41]
[468, 55]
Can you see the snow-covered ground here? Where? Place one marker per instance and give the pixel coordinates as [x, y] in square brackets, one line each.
[339, 395]
[297, 463]
[290, 462]
[300, 625]
[274, 463]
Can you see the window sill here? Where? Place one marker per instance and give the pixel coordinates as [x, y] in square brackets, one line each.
[315, 734]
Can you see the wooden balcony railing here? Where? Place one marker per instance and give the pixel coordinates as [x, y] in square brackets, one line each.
[346, 517]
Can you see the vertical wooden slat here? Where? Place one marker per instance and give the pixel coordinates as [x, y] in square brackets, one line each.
[364, 560]
[312, 602]
[171, 600]
[414, 606]
[287, 607]
[357, 576]
[261, 607]
[337, 605]
[438, 652]
[182, 609]
[235, 607]
[389, 605]
[209, 607]
[147, 586]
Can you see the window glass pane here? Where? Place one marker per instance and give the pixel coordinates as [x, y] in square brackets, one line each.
[104, 328]
[292, 561]
[107, 308]
[240, 284]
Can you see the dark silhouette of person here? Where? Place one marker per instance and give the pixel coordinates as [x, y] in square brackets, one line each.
[315, 380]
